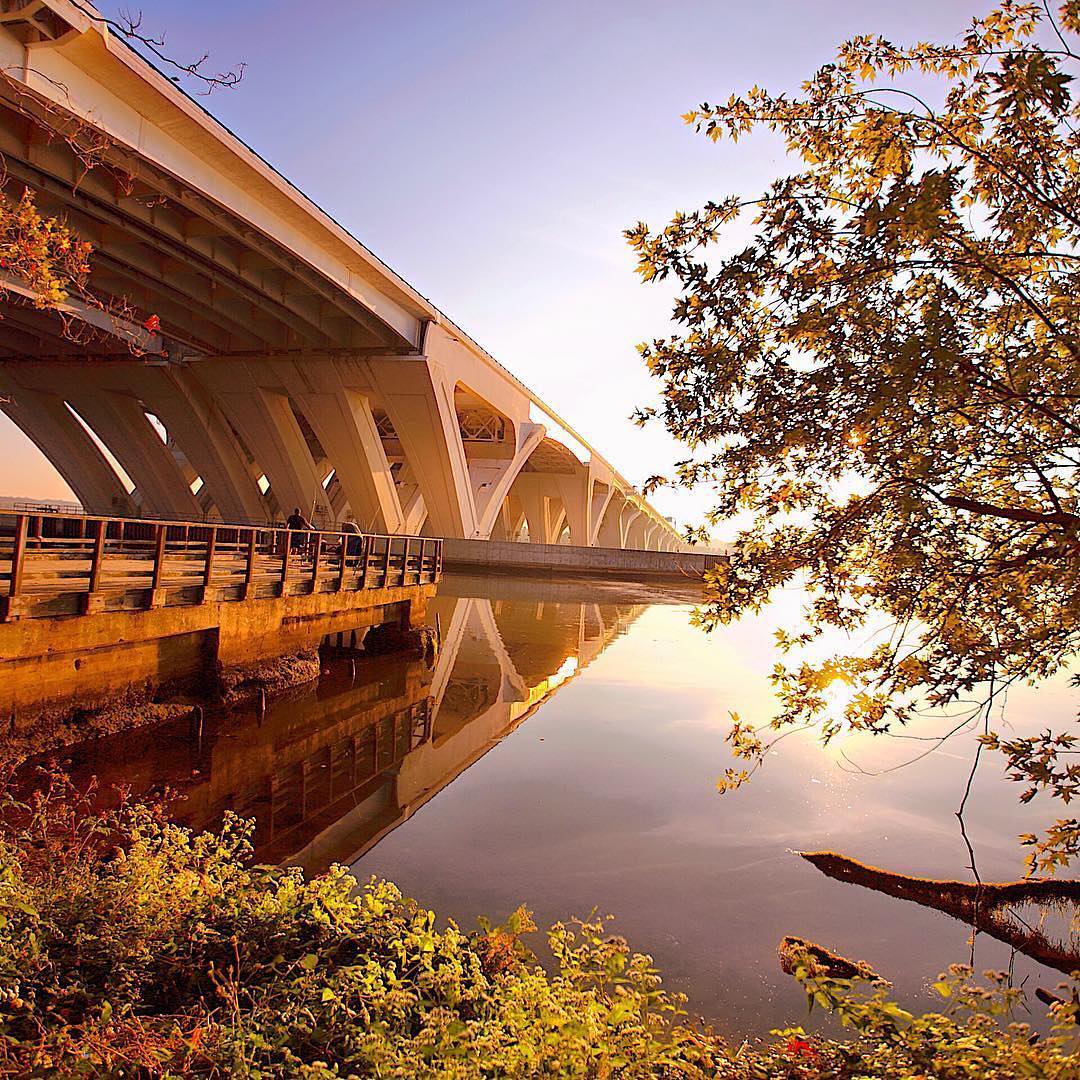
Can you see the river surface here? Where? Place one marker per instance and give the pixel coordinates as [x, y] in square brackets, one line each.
[564, 753]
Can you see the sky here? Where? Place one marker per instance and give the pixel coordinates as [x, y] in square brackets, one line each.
[493, 151]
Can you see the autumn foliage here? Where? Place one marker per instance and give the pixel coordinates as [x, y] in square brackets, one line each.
[40, 252]
[883, 382]
[132, 947]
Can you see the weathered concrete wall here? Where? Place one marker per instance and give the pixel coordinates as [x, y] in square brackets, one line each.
[86, 658]
[625, 564]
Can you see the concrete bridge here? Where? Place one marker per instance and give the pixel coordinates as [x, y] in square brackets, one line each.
[291, 367]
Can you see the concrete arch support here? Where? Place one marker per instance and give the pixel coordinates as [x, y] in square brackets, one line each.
[419, 401]
[609, 530]
[121, 423]
[575, 491]
[343, 421]
[47, 422]
[265, 421]
[600, 499]
[490, 505]
[194, 421]
[634, 523]
[541, 506]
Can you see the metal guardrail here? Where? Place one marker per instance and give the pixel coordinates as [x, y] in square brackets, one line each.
[58, 564]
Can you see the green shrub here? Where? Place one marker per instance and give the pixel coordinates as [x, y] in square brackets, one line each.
[132, 947]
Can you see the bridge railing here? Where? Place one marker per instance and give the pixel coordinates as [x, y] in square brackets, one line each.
[57, 564]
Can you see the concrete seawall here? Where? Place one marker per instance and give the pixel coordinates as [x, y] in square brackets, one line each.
[89, 658]
[495, 556]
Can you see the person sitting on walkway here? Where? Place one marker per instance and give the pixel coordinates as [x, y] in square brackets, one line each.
[352, 546]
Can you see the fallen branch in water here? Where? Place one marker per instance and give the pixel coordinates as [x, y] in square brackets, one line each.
[793, 950]
[984, 905]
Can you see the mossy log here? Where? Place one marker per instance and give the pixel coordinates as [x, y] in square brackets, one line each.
[793, 949]
[984, 906]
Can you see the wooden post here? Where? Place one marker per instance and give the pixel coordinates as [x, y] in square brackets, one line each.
[405, 562]
[285, 562]
[386, 565]
[343, 564]
[365, 555]
[10, 609]
[249, 572]
[315, 559]
[157, 590]
[18, 555]
[93, 601]
[208, 569]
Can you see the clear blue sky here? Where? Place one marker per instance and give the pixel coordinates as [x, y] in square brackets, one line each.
[492, 152]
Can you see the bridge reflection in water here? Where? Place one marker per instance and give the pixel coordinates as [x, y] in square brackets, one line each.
[331, 769]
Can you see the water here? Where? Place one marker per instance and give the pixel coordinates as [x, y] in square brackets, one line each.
[564, 754]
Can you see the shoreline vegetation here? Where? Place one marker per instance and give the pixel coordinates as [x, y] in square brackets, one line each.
[130, 946]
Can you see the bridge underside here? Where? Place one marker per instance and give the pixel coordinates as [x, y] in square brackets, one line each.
[392, 443]
[236, 355]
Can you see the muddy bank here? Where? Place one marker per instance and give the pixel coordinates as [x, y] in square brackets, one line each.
[54, 728]
[52, 731]
[271, 677]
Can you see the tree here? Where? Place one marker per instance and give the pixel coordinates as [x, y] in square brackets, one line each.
[886, 377]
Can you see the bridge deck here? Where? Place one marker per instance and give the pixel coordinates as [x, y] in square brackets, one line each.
[55, 564]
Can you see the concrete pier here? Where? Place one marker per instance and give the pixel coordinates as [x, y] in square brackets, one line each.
[624, 564]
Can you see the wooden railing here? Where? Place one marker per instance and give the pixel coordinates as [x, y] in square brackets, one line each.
[56, 564]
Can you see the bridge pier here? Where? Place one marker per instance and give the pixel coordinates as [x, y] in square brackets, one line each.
[120, 422]
[420, 406]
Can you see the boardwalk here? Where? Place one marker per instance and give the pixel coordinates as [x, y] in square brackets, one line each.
[54, 564]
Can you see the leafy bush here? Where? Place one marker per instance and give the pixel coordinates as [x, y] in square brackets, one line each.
[130, 946]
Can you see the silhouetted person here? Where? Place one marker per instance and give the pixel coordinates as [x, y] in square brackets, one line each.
[298, 523]
[349, 526]
[296, 520]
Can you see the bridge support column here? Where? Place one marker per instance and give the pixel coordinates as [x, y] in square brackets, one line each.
[541, 505]
[46, 421]
[576, 494]
[419, 400]
[609, 532]
[490, 506]
[633, 527]
[265, 421]
[197, 426]
[125, 429]
[600, 498]
[413, 507]
[343, 422]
